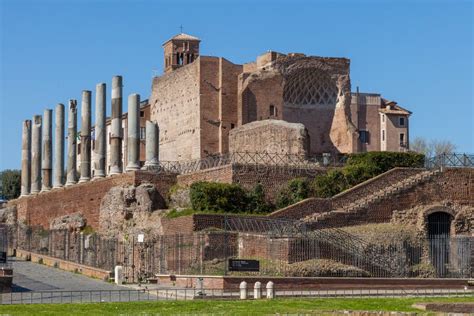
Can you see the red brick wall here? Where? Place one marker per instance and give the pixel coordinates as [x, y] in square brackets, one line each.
[83, 198]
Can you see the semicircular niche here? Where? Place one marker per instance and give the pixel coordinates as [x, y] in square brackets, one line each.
[309, 87]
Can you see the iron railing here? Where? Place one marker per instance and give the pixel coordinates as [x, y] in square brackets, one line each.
[175, 294]
[450, 160]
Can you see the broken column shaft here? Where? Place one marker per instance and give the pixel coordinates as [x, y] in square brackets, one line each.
[133, 140]
[58, 167]
[47, 151]
[26, 158]
[100, 132]
[152, 145]
[36, 154]
[116, 164]
[85, 136]
[71, 143]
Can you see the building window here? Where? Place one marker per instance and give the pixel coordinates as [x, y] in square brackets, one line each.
[402, 139]
[142, 133]
[232, 125]
[401, 121]
[383, 117]
[273, 111]
[142, 113]
[383, 135]
[364, 137]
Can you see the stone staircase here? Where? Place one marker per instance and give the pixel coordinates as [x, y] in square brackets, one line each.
[362, 203]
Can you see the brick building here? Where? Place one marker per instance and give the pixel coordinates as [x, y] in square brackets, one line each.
[199, 99]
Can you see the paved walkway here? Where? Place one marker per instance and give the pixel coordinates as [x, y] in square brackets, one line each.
[28, 276]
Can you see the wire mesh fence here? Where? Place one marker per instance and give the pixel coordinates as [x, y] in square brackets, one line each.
[450, 160]
[279, 252]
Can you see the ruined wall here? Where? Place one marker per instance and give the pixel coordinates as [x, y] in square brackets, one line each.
[175, 106]
[314, 91]
[270, 136]
[84, 198]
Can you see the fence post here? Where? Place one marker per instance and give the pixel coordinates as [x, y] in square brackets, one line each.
[270, 290]
[243, 290]
[118, 276]
[257, 290]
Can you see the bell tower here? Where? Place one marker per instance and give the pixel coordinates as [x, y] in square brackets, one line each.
[180, 50]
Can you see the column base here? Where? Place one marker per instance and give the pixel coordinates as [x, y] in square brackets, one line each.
[58, 186]
[84, 179]
[132, 167]
[68, 184]
[115, 170]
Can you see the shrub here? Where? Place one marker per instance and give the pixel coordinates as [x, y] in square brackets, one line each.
[295, 190]
[256, 202]
[423, 270]
[361, 167]
[218, 197]
[330, 184]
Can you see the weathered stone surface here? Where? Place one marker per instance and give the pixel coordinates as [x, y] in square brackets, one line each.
[8, 215]
[179, 198]
[128, 209]
[271, 136]
[74, 221]
[463, 216]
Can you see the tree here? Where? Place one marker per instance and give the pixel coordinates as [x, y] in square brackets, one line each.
[11, 183]
[432, 148]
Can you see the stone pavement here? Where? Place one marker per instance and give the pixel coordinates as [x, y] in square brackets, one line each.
[28, 276]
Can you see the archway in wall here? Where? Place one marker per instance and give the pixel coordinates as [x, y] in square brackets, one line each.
[439, 230]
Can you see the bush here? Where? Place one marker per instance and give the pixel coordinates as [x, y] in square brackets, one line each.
[295, 190]
[218, 197]
[256, 202]
[423, 270]
[361, 167]
[330, 184]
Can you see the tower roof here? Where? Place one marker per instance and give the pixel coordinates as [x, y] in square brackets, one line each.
[183, 36]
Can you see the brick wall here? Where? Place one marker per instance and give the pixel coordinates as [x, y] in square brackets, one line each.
[83, 198]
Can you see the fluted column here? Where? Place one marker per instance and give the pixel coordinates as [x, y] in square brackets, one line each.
[152, 146]
[72, 143]
[100, 132]
[85, 137]
[133, 140]
[26, 158]
[116, 163]
[36, 155]
[47, 151]
[58, 167]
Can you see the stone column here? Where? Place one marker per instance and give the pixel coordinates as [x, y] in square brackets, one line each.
[58, 167]
[133, 141]
[152, 146]
[100, 132]
[72, 143]
[116, 164]
[36, 155]
[85, 137]
[47, 151]
[26, 158]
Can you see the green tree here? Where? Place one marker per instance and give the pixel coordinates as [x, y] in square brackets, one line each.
[295, 190]
[11, 183]
[256, 202]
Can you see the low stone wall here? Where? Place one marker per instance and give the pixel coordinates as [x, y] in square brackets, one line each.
[296, 283]
[64, 265]
[6, 277]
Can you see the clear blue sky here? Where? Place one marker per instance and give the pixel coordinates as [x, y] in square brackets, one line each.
[418, 53]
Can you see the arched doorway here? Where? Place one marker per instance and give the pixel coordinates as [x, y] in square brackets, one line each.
[439, 229]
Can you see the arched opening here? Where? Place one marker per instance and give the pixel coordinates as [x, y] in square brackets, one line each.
[439, 229]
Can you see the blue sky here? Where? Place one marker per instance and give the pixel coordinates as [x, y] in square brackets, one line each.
[418, 53]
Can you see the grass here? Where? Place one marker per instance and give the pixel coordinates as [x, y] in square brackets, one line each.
[261, 307]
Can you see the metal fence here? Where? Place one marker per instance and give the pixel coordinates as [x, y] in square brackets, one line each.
[279, 251]
[253, 158]
[174, 294]
[4, 246]
[450, 160]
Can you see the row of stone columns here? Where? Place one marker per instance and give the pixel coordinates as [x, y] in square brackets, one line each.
[37, 154]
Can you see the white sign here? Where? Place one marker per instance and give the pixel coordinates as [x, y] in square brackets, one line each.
[141, 237]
